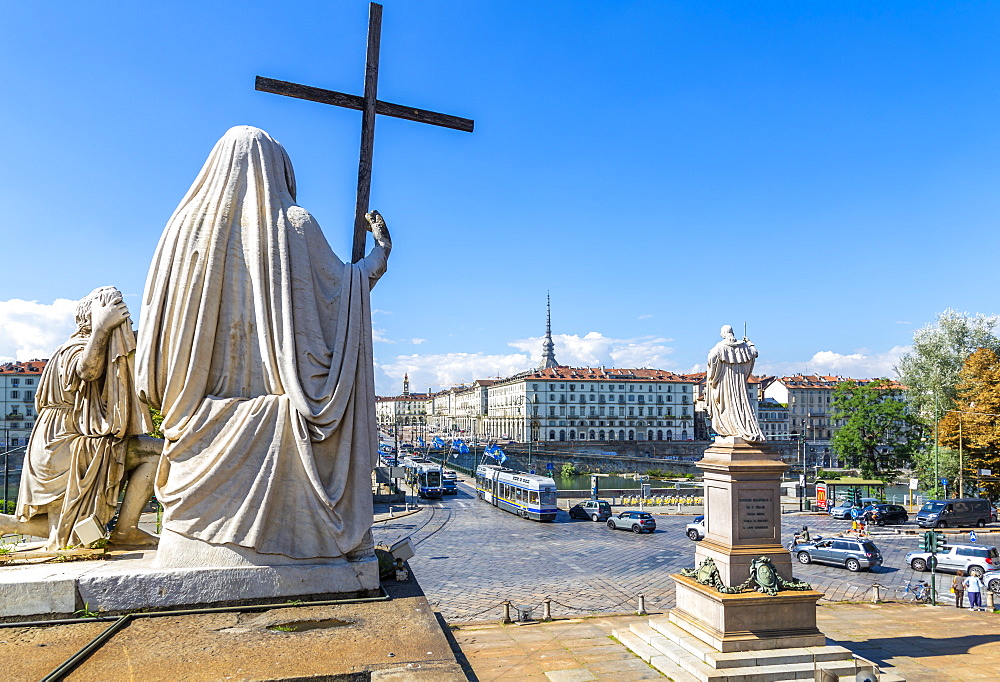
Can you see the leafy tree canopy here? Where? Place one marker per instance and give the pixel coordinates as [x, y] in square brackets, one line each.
[972, 425]
[879, 435]
[939, 350]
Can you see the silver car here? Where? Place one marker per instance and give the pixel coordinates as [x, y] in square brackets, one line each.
[851, 553]
[696, 529]
[973, 559]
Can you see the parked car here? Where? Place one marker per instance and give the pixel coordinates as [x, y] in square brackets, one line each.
[843, 509]
[992, 580]
[635, 521]
[850, 553]
[889, 514]
[968, 511]
[696, 529]
[449, 481]
[595, 510]
[973, 559]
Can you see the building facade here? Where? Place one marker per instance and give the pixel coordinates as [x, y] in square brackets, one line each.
[590, 404]
[18, 384]
[809, 400]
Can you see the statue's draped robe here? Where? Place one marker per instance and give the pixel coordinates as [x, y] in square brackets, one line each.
[255, 343]
[730, 364]
[76, 454]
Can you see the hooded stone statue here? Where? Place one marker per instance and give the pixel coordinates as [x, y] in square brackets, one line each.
[255, 343]
[730, 364]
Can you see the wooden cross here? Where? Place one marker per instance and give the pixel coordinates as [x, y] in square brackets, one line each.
[370, 106]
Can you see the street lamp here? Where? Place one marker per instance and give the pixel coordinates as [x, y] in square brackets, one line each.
[800, 451]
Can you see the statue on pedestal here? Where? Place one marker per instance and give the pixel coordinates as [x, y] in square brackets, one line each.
[84, 441]
[730, 363]
[256, 346]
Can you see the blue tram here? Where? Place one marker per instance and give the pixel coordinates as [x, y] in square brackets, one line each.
[425, 478]
[527, 495]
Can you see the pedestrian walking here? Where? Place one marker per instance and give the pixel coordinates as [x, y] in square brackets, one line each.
[974, 586]
[958, 587]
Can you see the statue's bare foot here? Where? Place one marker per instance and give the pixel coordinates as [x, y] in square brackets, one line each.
[8, 524]
[134, 537]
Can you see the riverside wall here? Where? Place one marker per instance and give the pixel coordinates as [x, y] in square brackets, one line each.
[632, 457]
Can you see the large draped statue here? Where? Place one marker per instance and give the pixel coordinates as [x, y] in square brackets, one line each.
[83, 443]
[255, 343]
[730, 364]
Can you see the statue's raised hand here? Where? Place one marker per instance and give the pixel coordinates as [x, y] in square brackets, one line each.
[106, 316]
[376, 225]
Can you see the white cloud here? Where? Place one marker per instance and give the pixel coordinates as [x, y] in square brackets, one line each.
[592, 350]
[417, 342]
[378, 336]
[645, 317]
[862, 364]
[30, 330]
[441, 370]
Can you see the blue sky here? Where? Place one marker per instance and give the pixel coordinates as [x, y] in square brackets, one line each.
[826, 172]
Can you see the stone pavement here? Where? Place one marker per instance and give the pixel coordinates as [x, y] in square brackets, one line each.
[920, 643]
[471, 557]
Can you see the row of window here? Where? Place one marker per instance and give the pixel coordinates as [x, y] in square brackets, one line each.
[28, 395]
[28, 381]
[600, 411]
[611, 387]
[611, 434]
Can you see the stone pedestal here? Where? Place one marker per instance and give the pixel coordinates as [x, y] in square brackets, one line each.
[749, 621]
[130, 581]
[742, 509]
[743, 523]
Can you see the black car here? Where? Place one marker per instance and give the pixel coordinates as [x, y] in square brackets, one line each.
[889, 514]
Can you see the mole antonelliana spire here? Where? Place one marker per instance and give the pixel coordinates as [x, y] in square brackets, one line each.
[548, 346]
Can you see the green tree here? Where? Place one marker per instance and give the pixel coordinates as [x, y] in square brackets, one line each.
[932, 368]
[929, 471]
[972, 426]
[157, 420]
[879, 435]
[567, 470]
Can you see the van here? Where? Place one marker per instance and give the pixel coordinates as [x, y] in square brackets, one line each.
[969, 511]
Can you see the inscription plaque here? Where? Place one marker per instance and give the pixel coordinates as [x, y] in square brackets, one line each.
[755, 514]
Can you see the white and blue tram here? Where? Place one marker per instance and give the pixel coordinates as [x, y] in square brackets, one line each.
[426, 478]
[527, 495]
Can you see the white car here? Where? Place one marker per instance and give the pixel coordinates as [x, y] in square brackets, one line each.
[696, 529]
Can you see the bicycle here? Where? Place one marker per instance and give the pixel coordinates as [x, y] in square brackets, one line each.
[921, 592]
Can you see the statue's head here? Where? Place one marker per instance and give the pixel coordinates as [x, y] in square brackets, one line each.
[727, 333]
[248, 149]
[105, 295]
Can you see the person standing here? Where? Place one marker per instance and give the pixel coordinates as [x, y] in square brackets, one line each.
[958, 587]
[974, 586]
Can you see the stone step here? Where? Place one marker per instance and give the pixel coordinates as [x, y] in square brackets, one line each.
[635, 644]
[792, 671]
[689, 642]
[672, 654]
[644, 632]
[671, 669]
[737, 659]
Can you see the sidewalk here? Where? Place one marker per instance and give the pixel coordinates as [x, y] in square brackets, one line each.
[920, 643]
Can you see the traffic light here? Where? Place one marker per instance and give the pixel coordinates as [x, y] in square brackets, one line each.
[938, 541]
[927, 541]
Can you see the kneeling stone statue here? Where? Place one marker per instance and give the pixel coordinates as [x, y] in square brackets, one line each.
[86, 438]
